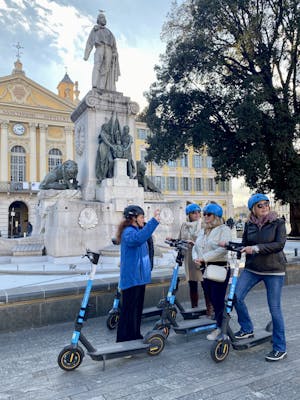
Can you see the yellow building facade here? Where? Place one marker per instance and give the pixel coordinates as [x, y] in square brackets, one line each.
[189, 179]
[36, 134]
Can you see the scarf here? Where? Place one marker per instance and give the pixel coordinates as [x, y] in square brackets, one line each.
[261, 221]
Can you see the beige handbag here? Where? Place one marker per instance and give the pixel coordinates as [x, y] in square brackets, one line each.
[216, 273]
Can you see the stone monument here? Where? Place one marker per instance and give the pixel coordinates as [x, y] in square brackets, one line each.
[87, 215]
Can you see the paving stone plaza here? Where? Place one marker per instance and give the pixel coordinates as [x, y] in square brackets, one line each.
[184, 370]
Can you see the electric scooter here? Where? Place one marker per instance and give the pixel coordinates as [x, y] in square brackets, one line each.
[114, 314]
[72, 355]
[221, 346]
[168, 319]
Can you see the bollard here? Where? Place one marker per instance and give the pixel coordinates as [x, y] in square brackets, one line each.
[296, 252]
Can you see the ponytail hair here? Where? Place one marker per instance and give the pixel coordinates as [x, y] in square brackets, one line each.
[124, 224]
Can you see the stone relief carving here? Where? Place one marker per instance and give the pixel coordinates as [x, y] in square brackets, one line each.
[88, 218]
[80, 139]
[19, 93]
[166, 216]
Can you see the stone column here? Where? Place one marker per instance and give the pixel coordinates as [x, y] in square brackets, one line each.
[32, 162]
[4, 152]
[43, 151]
[69, 143]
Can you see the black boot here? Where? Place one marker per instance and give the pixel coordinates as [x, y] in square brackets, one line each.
[194, 293]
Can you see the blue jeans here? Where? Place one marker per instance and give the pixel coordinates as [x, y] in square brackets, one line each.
[273, 284]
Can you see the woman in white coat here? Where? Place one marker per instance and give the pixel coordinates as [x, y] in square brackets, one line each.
[207, 251]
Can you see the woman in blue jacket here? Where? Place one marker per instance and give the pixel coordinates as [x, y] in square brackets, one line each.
[135, 269]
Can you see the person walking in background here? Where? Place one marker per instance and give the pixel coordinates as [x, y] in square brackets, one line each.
[189, 231]
[29, 228]
[135, 269]
[263, 242]
[207, 251]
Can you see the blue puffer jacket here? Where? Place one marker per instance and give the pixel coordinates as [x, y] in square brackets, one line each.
[135, 262]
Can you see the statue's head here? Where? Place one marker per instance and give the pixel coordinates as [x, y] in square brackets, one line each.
[101, 20]
[70, 168]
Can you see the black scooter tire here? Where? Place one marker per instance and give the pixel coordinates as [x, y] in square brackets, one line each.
[157, 344]
[220, 350]
[70, 358]
[113, 320]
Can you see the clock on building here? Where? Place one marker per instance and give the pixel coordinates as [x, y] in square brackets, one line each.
[19, 129]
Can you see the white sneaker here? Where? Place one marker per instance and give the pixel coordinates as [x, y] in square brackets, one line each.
[213, 335]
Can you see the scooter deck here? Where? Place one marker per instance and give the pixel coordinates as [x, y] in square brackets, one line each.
[118, 350]
[193, 313]
[260, 336]
[151, 312]
[194, 326]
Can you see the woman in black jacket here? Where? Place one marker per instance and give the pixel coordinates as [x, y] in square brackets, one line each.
[263, 240]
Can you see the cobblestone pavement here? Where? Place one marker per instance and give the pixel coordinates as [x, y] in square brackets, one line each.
[184, 370]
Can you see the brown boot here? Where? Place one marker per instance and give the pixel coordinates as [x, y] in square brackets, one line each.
[194, 300]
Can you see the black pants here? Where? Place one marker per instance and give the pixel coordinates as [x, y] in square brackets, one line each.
[129, 326]
[216, 292]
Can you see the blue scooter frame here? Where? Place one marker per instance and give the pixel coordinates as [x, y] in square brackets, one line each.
[221, 346]
[168, 317]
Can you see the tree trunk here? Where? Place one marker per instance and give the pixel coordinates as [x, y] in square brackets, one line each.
[295, 219]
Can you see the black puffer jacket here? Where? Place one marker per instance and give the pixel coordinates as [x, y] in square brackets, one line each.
[270, 239]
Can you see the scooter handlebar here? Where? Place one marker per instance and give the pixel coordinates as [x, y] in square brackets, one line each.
[233, 246]
[179, 244]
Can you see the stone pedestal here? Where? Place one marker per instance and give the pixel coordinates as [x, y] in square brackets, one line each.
[92, 112]
[120, 190]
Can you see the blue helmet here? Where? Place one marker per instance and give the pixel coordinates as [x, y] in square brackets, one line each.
[192, 208]
[255, 198]
[213, 208]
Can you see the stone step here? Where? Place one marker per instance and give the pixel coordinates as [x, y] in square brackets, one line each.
[29, 249]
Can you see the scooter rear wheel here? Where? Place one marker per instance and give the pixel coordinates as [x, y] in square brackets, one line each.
[112, 320]
[70, 358]
[157, 344]
[220, 350]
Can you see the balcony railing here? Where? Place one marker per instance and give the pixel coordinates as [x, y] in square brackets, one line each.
[24, 187]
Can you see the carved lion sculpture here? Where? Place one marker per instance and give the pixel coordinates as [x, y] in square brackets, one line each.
[62, 177]
[143, 180]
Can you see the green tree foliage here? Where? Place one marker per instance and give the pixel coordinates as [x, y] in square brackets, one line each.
[229, 79]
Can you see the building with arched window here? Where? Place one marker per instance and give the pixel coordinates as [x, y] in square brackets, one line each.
[36, 135]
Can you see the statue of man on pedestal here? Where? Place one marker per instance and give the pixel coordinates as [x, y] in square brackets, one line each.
[106, 61]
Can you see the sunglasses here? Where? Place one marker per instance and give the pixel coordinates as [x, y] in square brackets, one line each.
[207, 214]
[262, 205]
[196, 212]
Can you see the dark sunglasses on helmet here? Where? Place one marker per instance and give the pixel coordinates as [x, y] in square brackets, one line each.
[207, 214]
[261, 205]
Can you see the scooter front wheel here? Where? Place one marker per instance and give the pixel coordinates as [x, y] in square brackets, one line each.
[70, 358]
[157, 344]
[220, 350]
[164, 328]
[113, 320]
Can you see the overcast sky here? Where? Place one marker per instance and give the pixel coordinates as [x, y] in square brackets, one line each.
[53, 35]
